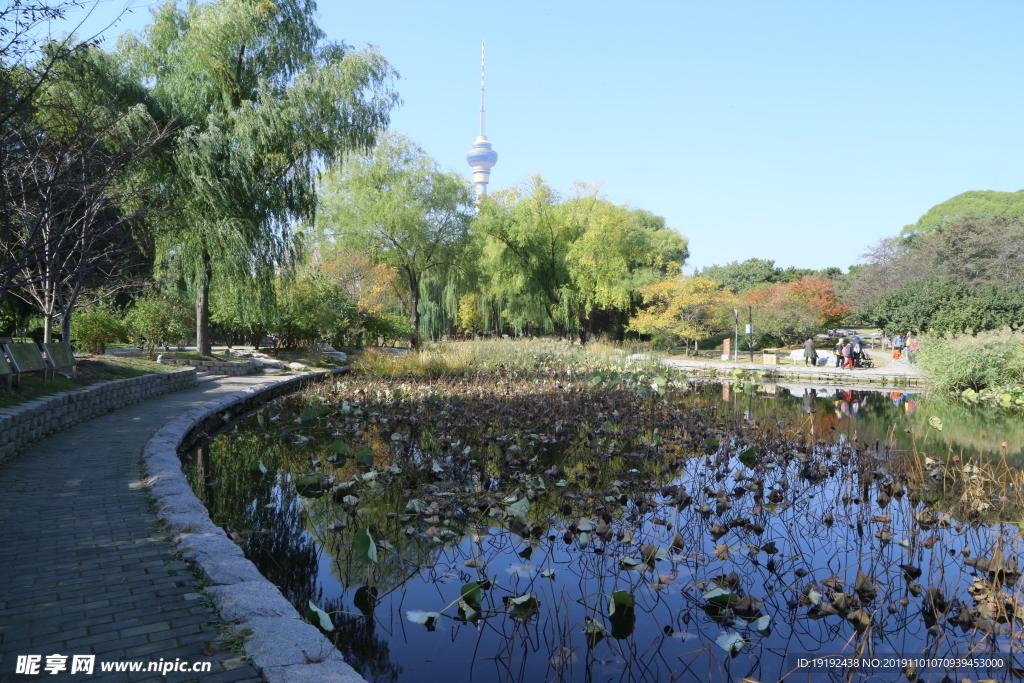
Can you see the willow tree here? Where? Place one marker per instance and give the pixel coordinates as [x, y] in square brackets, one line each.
[619, 251]
[574, 264]
[527, 240]
[263, 102]
[399, 205]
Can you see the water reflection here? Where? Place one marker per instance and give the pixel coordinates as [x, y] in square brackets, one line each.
[787, 497]
[895, 416]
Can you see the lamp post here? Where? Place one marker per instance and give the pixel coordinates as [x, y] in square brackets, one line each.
[750, 331]
[736, 319]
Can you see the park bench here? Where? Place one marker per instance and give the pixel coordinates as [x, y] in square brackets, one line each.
[25, 358]
[60, 357]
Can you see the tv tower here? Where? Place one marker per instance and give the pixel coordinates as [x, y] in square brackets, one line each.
[480, 156]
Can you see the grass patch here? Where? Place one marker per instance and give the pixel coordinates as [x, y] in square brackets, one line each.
[232, 638]
[988, 360]
[455, 359]
[91, 369]
[33, 387]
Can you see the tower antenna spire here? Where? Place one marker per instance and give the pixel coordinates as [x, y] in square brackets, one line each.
[481, 88]
[481, 156]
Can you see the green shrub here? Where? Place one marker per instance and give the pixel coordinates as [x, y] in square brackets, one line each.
[312, 311]
[96, 326]
[14, 314]
[989, 360]
[382, 328]
[156, 318]
[941, 305]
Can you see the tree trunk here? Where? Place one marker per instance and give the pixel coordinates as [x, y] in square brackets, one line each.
[204, 341]
[414, 314]
[584, 319]
[47, 328]
[228, 335]
[65, 328]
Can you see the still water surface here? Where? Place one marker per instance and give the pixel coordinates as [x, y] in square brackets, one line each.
[722, 565]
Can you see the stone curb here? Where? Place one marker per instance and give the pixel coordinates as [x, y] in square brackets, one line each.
[231, 368]
[26, 423]
[283, 647]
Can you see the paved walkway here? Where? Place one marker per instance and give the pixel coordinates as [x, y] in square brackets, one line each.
[828, 373]
[83, 568]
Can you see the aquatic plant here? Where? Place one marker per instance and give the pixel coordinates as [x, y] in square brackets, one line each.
[570, 524]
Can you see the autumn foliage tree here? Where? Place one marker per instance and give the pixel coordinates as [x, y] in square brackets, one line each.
[794, 311]
[683, 310]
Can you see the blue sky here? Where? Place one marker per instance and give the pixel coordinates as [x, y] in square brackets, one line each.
[795, 131]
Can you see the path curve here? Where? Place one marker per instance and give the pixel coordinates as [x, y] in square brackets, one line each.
[84, 567]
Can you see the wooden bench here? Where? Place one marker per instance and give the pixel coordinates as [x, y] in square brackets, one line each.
[60, 357]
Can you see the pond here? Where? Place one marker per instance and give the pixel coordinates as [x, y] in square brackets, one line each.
[631, 527]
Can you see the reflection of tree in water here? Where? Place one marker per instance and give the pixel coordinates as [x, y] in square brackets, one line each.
[279, 546]
[269, 516]
[873, 414]
[357, 641]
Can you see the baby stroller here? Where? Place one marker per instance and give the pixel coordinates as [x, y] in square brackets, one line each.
[865, 360]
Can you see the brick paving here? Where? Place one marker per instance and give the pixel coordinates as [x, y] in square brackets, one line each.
[83, 565]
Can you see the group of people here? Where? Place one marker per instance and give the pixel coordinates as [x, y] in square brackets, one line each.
[850, 354]
[905, 346]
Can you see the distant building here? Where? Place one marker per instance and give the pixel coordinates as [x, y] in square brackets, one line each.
[481, 157]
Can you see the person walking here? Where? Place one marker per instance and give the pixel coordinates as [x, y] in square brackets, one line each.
[848, 356]
[810, 353]
[911, 349]
[838, 350]
[897, 348]
[858, 350]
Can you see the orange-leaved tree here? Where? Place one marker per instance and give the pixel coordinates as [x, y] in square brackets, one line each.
[373, 287]
[683, 310]
[794, 311]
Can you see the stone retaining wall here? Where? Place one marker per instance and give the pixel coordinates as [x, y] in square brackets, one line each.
[214, 367]
[25, 423]
[283, 647]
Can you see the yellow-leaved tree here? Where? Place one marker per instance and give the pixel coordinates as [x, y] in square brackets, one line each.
[470, 319]
[683, 310]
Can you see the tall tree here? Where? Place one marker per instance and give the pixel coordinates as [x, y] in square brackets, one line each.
[618, 252]
[979, 204]
[794, 311]
[409, 214]
[977, 253]
[263, 102]
[80, 207]
[527, 243]
[683, 309]
[28, 63]
[577, 262]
